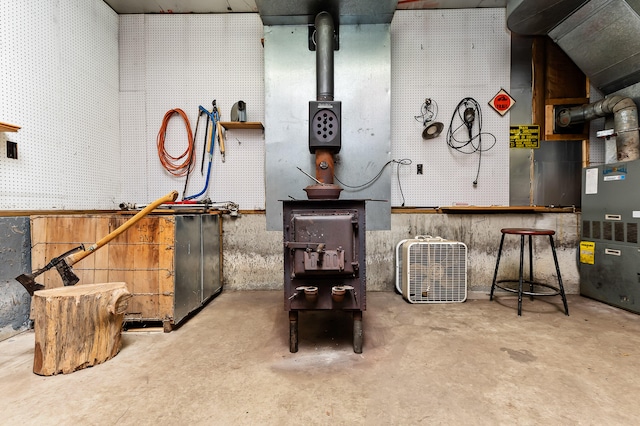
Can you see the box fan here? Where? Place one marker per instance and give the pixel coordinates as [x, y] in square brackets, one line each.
[431, 270]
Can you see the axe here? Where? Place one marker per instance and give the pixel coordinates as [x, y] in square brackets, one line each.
[64, 262]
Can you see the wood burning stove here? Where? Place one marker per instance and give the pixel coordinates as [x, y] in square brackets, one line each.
[324, 237]
[324, 261]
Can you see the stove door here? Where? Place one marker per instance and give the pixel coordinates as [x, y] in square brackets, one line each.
[325, 243]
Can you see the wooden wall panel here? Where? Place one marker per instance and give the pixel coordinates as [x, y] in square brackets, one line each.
[142, 257]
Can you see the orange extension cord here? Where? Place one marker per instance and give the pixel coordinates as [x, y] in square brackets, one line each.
[169, 162]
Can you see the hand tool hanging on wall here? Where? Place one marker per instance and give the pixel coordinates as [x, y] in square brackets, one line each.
[64, 262]
[201, 111]
[221, 140]
[206, 136]
[214, 117]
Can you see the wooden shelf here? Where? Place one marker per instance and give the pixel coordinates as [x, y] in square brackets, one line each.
[507, 209]
[482, 209]
[6, 127]
[242, 125]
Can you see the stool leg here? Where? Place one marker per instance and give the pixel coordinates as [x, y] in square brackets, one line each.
[520, 277]
[555, 259]
[530, 266]
[495, 274]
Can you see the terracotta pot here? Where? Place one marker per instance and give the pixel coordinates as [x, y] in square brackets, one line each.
[337, 293]
[311, 294]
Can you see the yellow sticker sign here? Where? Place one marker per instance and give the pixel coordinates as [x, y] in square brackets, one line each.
[527, 136]
[587, 252]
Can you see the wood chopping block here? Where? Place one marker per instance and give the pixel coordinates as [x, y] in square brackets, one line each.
[77, 326]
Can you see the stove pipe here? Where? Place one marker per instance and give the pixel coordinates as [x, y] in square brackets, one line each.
[324, 56]
[625, 122]
[324, 113]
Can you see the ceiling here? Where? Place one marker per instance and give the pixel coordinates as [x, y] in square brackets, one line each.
[249, 6]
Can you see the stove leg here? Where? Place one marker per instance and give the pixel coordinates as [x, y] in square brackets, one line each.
[357, 332]
[293, 331]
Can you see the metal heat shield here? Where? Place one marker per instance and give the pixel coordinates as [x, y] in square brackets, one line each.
[362, 81]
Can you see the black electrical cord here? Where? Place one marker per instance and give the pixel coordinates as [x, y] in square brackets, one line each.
[469, 113]
[428, 112]
[403, 162]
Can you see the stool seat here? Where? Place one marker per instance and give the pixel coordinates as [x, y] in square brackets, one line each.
[527, 231]
[555, 291]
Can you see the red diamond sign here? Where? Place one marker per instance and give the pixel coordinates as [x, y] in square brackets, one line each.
[502, 102]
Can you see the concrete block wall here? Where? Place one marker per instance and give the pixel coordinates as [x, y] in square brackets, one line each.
[253, 257]
[15, 259]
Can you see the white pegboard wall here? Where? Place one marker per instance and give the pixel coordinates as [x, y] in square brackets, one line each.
[189, 60]
[448, 55]
[90, 102]
[88, 137]
[131, 53]
[59, 82]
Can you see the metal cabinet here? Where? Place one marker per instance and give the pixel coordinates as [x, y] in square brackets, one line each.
[609, 247]
[197, 262]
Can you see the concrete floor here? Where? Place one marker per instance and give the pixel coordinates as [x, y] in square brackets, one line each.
[469, 363]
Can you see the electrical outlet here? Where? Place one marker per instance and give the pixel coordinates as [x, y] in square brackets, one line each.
[12, 150]
[419, 169]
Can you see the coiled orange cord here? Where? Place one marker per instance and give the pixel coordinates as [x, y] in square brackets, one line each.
[169, 162]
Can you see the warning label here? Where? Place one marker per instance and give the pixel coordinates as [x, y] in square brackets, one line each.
[502, 102]
[527, 136]
[587, 252]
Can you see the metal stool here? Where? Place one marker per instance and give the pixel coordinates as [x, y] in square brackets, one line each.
[530, 232]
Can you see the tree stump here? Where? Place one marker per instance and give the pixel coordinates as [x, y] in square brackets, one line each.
[77, 326]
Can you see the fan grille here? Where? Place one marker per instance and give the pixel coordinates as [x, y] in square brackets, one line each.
[436, 272]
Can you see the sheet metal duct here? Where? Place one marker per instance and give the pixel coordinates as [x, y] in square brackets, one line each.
[602, 37]
[603, 40]
[538, 17]
[344, 12]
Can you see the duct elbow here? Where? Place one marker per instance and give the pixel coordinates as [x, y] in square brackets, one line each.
[620, 103]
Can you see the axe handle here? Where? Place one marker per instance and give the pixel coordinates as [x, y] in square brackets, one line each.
[76, 257]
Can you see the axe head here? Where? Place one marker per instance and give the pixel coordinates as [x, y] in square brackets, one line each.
[66, 273]
[29, 283]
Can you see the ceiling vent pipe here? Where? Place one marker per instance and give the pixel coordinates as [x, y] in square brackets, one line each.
[625, 122]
